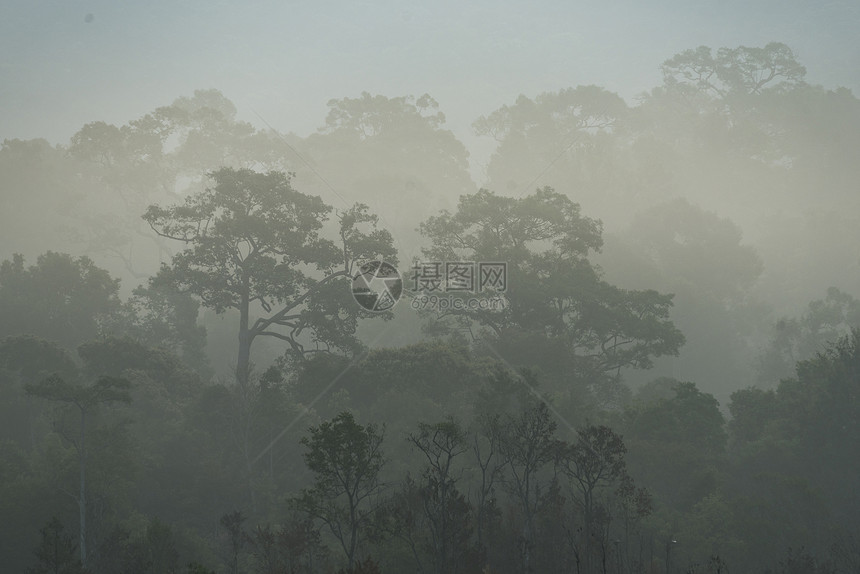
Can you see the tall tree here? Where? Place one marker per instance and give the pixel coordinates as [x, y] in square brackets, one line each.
[723, 103]
[527, 444]
[253, 242]
[151, 159]
[558, 303]
[448, 514]
[346, 459]
[741, 70]
[86, 398]
[594, 463]
[26, 359]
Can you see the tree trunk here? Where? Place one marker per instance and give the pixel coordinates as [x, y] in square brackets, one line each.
[243, 365]
[243, 374]
[353, 533]
[603, 555]
[588, 503]
[82, 499]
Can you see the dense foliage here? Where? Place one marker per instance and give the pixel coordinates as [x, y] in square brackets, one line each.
[187, 385]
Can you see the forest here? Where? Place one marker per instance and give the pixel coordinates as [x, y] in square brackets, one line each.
[660, 373]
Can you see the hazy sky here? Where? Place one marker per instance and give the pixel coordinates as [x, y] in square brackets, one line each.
[285, 59]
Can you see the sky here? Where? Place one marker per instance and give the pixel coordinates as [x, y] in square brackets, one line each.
[281, 61]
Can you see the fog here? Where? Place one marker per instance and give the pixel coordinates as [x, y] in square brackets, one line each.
[663, 379]
[285, 60]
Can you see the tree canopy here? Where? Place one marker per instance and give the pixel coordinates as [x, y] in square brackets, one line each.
[253, 242]
[554, 293]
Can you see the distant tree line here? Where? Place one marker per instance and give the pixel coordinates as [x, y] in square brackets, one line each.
[549, 436]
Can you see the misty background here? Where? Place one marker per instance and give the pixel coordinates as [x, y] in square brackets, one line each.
[285, 60]
[712, 149]
[67, 64]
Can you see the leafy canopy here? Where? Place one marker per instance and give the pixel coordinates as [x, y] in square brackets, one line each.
[554, 293]
[253, 241]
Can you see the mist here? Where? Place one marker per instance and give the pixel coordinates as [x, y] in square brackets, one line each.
[559, 288]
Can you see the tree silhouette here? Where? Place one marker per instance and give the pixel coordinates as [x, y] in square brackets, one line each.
[253, 242]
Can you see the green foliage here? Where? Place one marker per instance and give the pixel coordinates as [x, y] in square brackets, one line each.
[677, 442]
[60, 298]
[728, 131]
[687, 414]
[150, 159]
[427, 380]
[158, 316]
[249, 225]
[152, 551]
[554, 294]
[32, 357]
[711, 529]
[57, 553]
[752, 411]
[602, 491]
[596, 456]
[489, 227]
[161, 548]
[346, 459]
[344, 456]
[527, 444]
[444, 518]
[816, 410]
[553, 116]
[253, 241]
[367, 566]
[104, 390]
[232, 523]
[195, 568]
[26, 359]
[732, 71]
[87, 398]
[790, 449]
[798, 339]
[801, 562]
